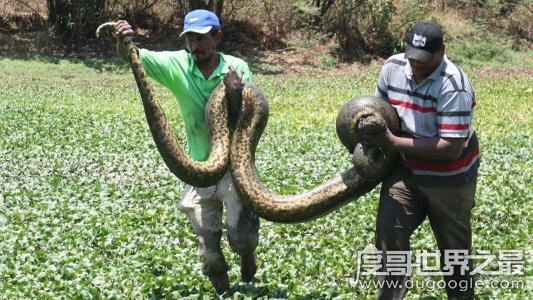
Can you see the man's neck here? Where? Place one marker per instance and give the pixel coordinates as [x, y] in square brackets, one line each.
[419, 79]
[208, 67]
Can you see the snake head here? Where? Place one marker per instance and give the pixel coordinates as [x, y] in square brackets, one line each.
[371, 124]
[233, 81]
[234, 87]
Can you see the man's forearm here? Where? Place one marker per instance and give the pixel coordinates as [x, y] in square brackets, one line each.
[433, 148]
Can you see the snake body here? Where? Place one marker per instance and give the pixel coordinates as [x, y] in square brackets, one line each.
[361, 114]
[327, 196]
[190, 171]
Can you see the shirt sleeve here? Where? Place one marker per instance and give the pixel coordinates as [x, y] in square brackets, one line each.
[243, 70]
[381, 88]
[454, 114]
[158, 65]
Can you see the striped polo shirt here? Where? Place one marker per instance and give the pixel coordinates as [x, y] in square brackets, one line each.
[440, 106]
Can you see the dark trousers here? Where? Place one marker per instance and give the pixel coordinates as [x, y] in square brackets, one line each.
[404, 204]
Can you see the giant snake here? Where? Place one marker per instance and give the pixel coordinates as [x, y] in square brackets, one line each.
[360, 114]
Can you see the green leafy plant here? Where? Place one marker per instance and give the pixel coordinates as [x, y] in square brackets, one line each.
[88, 209]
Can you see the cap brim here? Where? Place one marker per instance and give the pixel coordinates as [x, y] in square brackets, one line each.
[418, 54]
[200, 30]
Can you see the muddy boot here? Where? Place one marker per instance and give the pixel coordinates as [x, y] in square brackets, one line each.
[248, 267]
[220, 283]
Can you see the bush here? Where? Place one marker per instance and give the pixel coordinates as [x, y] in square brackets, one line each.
[364, 29]
[507, 17]
[361, 27]
[351, 29]
[72, 19]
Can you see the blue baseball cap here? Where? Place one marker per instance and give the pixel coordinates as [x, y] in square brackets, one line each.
[200, 21]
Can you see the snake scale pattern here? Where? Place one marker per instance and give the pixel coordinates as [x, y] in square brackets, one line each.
[360, 114]
[330, 194]
[190, 171]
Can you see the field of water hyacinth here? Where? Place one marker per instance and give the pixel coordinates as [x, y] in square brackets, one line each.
[88, 210]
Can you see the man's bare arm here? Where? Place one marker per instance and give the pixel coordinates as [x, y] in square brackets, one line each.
[432, 148]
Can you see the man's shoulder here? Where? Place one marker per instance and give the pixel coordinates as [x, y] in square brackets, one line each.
[232, 60]
[454, 78]
[397, 59]
[179, 54]
[238, 64]
[450, 68]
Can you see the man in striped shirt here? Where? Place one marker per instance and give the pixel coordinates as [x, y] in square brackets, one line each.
[438, 166]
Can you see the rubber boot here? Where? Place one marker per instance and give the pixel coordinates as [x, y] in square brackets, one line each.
[248, 267]
[220, 283]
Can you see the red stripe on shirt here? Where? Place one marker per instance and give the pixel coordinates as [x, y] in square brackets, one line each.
[412, 106]
[447, 167]
[454, 126]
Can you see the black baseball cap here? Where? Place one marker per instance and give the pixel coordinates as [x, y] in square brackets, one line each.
[422, 41]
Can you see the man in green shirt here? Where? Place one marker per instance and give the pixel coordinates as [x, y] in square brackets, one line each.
[192, 75]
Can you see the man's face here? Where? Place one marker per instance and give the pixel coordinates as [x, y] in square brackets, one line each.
[424, 69]
[202, 46]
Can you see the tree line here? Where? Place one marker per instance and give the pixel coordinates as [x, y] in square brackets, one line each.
[357, 26]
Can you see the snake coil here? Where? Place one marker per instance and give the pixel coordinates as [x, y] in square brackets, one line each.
[373, 162]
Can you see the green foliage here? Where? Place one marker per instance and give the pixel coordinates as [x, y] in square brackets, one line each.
[478, 52]
[504, 17]
[327, 62]
[411, 12]
[73, 19]
[493, 6]
[307, 12]
[283, 17]
[478, 46]
[352, 29]
[361, 27]
[88, 209]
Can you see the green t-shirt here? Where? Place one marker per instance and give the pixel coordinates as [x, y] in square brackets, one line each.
[177, 71]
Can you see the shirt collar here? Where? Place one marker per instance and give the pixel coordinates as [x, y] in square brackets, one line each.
[442, 66]
[220, 70]
[433, 76]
